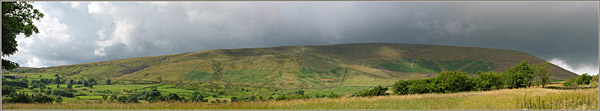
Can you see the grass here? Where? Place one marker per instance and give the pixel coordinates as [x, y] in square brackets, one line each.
[498, 99]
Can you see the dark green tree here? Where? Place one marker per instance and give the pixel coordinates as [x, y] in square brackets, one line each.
[17, 18]
[487, 81]
[85, 84]
[453, 81]
[583, 79]
[520, 75]
[108, 82]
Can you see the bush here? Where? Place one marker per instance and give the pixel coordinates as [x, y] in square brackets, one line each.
[334, 95]
[128, 99]
[568, 83]
[376, 91]
[291, 97]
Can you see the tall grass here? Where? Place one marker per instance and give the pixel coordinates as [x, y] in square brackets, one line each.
[498, 99]
[579, 100]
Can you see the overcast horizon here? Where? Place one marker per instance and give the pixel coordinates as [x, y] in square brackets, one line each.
[563, 33]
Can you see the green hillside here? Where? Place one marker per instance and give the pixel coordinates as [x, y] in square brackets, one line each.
[298, 67]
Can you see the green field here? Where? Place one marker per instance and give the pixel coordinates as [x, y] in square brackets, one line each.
[120, 88]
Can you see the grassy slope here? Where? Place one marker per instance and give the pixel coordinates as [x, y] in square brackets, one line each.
[282, 66]
[498, 99]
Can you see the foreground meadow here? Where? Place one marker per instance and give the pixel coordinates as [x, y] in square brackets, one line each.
[524, 98]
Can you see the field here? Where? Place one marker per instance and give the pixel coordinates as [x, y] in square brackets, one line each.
[498, 99]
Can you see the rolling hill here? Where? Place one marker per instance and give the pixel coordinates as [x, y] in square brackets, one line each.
[304, 67]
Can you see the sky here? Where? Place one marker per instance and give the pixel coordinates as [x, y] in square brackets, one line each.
[563, 33]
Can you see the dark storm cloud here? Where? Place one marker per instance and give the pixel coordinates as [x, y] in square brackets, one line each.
[562, 32]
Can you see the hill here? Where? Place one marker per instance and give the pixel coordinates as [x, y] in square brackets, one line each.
[300, 67]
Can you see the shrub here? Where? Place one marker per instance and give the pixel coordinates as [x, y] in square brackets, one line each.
[376, 91]
[291, 97]
[334, 95]
[128, 99]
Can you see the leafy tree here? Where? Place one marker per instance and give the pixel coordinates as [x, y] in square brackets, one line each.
[453, 81]
[401, 87]
[92, 81]
[70, 86]
[85, 84]
[543, 72]
[583, 79]
[487, 80]
[108, 82]
[520, 75]
[151, 95]
[17, 18]
[57, 80]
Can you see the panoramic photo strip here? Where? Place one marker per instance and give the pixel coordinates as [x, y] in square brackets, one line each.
[299, 55]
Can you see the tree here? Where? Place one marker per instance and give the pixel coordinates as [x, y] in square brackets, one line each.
[17, 18]
[92, 81]
[71, 81]
[453, 81]
[70, 86]
[85, 84]
[487, 80]
[57, 80]
[520, 75]
[108, 82]
[543, 72]
[583, 79]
